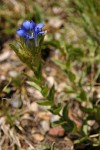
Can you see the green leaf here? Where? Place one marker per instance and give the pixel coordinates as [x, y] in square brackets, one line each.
[45, 103]
[52, 146]
[81, 140]
[74, 53]
[71, 76]
[37, 72]
[56, 110]
[58, 123]
[87, 110]
[65, 112]
[83, 95]
[51, 93]
[70, 126]
[13, 47]
[6, 89]
[97, 113]
[33, 84]
[85, 129]
[60, 64]
[45, 91]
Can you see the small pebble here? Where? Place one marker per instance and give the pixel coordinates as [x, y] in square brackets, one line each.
[57, 131]
[43, 116]
[45, 125]
[33, 107]
[38, 137]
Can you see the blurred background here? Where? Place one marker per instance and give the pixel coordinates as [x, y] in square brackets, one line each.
[73, 27]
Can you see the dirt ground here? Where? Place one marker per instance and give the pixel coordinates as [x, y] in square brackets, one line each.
[24, 125]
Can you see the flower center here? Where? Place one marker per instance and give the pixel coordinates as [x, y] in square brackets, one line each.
[30, 34]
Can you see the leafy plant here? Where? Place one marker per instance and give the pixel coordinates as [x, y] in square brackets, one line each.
[79, 65]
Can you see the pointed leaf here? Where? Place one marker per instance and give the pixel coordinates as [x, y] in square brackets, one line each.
[71, 76]
[58, 123]
[51, 93]
[83, 95]
[65, 112]
[60, 64]
[45, 91]
[13, 47]
[33, 84]
[45, 103]
[52, 146]
[70, 126]
[56, 110]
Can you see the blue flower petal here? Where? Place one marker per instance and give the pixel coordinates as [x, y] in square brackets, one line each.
[42, 32]
[21, 32]
[29, 30]
[40, 25]
[32, 25]
[26, 24]
[31, 37]
[37, 30]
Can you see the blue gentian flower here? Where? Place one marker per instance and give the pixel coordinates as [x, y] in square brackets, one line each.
[29, 30]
